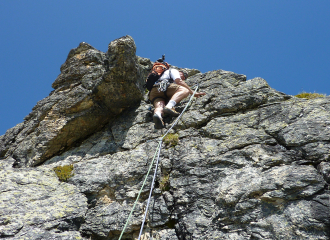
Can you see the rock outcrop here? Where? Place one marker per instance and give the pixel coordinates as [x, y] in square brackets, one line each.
[249, 162]
[92, 89]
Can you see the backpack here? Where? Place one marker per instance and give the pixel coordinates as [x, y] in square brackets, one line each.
[156, 72]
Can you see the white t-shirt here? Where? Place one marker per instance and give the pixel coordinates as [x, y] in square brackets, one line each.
[166, 75]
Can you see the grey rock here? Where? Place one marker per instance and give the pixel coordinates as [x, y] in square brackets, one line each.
[88, 94]
[166, 234]
[250, 162]
[33, 203]
[36, 233]
[324, 169]
[106, 221]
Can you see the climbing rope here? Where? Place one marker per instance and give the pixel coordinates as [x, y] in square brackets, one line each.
[157, 153]
[150, 193]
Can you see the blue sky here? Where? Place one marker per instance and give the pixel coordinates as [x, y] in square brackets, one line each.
[286, 42]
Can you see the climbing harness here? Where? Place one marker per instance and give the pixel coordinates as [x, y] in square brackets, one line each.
[163, 85]
[157, 153]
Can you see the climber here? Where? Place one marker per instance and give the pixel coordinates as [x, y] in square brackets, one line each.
[168, 91]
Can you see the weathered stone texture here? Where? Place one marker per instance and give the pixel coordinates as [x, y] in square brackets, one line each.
[33, 204]
[250, 163]
[92, 89]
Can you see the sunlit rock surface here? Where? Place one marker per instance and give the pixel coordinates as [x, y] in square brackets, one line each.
[250, 163]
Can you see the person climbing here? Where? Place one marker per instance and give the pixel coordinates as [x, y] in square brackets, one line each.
[168, 91]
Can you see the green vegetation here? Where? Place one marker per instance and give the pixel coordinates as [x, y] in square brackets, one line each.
[171, 139]
[64, 172]
[164, 183]
[309, 95]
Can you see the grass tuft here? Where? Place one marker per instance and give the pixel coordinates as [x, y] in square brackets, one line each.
[309, 95]
[171, 139]
[164, 183]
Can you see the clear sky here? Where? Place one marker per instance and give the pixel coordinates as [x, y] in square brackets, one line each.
[286, 42]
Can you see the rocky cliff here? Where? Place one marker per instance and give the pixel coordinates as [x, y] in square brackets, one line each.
[245, 161]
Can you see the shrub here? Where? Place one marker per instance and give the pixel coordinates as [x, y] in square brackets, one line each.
[309, 95]
[171, 139]
[64, 172]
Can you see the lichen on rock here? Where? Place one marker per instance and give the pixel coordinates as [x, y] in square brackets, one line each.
[245, 162]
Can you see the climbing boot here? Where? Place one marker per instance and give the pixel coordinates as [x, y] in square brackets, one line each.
[171, 111]
[159, 124]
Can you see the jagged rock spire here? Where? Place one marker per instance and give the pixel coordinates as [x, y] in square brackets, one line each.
[91, 90]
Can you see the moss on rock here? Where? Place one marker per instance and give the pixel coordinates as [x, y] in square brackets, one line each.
[64, 172]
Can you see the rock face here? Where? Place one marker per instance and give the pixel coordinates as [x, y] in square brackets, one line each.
[92, 89]
[250, 162]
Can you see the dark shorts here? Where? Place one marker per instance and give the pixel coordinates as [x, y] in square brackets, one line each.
[156, 96]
